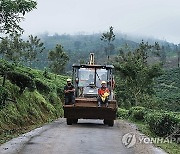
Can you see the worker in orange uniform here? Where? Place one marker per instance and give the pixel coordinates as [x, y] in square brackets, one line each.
[103, 94]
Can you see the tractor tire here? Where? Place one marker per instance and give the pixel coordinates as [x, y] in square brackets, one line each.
[111, 123]
[75, 121]
[69, 121]
[105, 122]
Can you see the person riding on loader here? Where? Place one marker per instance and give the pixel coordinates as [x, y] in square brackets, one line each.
[69, 93]
[103, 94]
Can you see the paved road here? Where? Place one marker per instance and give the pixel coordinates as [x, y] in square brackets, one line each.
[86, 137]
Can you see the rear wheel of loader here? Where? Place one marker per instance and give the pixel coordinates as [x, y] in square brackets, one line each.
[69, 121]
[111, 123]
[75, 121]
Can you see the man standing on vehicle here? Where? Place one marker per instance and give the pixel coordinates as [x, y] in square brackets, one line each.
[103, 94]
[69, 93]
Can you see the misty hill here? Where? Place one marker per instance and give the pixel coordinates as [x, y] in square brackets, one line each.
[79, 46]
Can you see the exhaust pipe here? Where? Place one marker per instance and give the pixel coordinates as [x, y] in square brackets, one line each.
[91, 62]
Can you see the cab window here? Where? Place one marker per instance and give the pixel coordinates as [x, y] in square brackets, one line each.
[101, 75]
[86, 76]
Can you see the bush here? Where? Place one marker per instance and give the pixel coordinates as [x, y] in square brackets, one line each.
[162, 124]
[60, 92]
[21, 80]
[122, 113]
[137, 113]
[176, 133]
[3, 95]
[41, 86]
[5, 66]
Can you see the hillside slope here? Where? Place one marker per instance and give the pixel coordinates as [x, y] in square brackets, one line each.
[168, 89]
[38, 102]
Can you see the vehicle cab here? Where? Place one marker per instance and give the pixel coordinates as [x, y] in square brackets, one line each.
[87, 79]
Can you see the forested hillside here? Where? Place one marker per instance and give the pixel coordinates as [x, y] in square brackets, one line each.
[28, 98]
[79, 46]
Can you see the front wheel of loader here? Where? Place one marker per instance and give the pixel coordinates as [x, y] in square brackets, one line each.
[69, 121]
[111, 123]
[105, 122]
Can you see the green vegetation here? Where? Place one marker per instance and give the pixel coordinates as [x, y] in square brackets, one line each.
[79, 46]
[33, 47]
[135, 77]
[158, 114]
[14, 48]
[162, 124]
[32, 106]
[156, 123]
[108, 37]
[12, 13]
[137, 113]
[30, 98]
[167, 88]
[149, 95]
[58, 59]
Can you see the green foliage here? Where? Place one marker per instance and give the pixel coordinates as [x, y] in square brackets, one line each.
[58, 60]
[3, 95]
[162, 124]
[46, 74]
[42, 87]
[79, 46]
[122, 113]
[167, 88]
[15, 49]
[21, 80]
[12, 47]
[12, 13]
[108, 37]
[134, 77]
[31, 107]
[60, 92]
[154, 122]
[5, 67]
[33, 47]
[137, 113]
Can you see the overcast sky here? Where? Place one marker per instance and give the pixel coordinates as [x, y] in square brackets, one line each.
[156, 18]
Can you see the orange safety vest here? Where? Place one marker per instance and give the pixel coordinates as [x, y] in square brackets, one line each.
[101, 91]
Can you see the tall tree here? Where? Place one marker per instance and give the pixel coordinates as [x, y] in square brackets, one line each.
[12, 13]
[108, 37]
[4, 47]
[12, 47]
[163, 55]
[33, 47]
[58, 59]
[135, 76]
